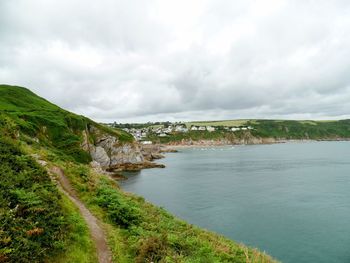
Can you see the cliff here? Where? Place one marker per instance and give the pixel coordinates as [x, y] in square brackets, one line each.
[72, 136]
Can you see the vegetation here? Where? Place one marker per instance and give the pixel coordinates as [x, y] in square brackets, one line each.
[78, 246]
[52, 126]
[228, 123]
[148, 233]
[316, 130]
[277, 129]
[38, 224]
[32, 221]
[193, 135]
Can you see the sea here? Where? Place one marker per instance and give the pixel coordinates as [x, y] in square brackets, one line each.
[291, 200]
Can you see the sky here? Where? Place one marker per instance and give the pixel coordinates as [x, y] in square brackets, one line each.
[181, 60]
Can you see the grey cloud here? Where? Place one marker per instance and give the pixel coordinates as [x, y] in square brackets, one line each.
[157, 60]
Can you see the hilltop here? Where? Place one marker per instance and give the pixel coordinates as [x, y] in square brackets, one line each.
[54, 127]
[46, 169]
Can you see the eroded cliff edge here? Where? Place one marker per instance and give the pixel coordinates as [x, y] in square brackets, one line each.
[108, 153]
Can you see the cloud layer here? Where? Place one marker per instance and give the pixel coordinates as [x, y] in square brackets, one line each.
[181, 60]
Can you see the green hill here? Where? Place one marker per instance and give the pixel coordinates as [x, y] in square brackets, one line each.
[261, 131]
[52, 126]
[38, 223]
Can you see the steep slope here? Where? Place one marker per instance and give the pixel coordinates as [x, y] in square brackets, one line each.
[36, 222]
[70, 135]
[137, 231]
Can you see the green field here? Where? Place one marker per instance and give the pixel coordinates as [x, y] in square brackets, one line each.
[228, 123]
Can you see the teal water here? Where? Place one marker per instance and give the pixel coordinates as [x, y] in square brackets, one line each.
[291, 200]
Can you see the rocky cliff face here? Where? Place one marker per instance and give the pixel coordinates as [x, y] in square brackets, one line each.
[247, 138]
[108, 152]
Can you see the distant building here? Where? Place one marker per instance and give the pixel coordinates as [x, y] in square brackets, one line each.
[146, 142]
[194, 128]
[201, 128]
[210, 128]
[181, 128]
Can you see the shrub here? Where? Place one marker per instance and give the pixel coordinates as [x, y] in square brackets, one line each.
[152, 249]
[124, 213]
[31, 219]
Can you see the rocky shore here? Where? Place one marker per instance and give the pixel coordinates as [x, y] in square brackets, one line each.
[110, 156]
[250, 141]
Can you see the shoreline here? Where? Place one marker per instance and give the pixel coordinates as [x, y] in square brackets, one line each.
[165, 148]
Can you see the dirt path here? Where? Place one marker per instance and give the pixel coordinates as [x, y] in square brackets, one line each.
[103, 252]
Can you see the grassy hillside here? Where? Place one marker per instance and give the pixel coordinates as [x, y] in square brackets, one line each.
[56, 128]
[36, 224]
[288, 129]
[31, 219]
[142, 232]
[228, 123]
[39, 224]
[276, 129]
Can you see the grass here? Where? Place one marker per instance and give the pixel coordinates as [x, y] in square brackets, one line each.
[78, 245]
[32, 221]
[141, 232]
[38, 224]
[52, 126]
[288, 129]
[276, 129]
[228, 123]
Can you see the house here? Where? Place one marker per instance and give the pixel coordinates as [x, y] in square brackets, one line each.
[162, 135]
[201, 128]
[194, 128]
[181, 128]
[168, 130]
[235, 129]
[210, 128]
[146, 142]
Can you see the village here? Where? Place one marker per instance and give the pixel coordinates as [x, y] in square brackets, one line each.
[141, 133]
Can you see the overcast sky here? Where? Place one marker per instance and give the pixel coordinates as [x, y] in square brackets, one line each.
[132, 61]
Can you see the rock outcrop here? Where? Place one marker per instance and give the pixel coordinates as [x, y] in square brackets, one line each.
[151, 152]
[111, 154]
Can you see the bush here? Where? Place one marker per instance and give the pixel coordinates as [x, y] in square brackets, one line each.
[124, 213]
[152, 249]
[31, 219]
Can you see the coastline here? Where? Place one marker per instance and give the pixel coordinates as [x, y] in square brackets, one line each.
[173, 147]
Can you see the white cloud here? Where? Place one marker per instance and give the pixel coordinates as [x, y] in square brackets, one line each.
[149, 60]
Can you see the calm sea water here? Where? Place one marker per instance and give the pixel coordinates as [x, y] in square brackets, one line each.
[291, 200]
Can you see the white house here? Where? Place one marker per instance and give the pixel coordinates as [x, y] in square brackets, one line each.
[210, 128]
[194, 128]
[146, 142]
